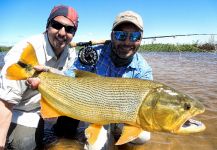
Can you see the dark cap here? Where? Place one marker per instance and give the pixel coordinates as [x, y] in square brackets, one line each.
[65, 11]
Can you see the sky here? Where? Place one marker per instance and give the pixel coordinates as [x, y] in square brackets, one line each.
[21, 19]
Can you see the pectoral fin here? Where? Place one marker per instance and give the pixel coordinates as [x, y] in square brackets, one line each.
[129, 133]
[48, 111]
[92, 133]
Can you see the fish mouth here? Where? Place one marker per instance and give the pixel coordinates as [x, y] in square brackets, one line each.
[191, 126]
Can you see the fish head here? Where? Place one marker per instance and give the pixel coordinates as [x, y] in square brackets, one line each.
[165, 109]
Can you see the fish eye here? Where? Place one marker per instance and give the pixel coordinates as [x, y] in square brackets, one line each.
[187, 106]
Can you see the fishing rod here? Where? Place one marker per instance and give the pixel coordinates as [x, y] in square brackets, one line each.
[88, 55]
[96, 42]
[155, 37]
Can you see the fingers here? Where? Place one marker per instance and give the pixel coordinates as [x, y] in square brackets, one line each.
[41, 68]
[33, 83]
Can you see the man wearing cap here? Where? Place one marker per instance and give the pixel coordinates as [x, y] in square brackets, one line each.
[19, 105]
[119, 58]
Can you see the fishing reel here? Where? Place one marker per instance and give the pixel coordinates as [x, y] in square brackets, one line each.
[87, 55]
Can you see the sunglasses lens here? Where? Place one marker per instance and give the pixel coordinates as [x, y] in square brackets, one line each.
[70, 29]
[135, 36]
[120, 35]
[56, 25]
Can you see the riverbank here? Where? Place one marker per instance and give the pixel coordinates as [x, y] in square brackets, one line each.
[207, 47]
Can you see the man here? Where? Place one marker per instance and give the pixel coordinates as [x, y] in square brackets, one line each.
[19, 104]
[120, 57]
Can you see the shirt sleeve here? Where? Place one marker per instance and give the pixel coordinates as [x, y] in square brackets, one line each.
[11, 90]
[146, 73]
[144, 69]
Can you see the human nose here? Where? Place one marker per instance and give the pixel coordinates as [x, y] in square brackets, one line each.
[128, 41]
[62, 31]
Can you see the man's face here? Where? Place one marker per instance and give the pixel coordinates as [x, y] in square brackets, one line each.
[60, 33]
[128, 46]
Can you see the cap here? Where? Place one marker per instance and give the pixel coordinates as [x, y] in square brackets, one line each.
[128, 16]
[65, 11]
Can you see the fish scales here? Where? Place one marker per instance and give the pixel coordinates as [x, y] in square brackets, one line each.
[94, 100]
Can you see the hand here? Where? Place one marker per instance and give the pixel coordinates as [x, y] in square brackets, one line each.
[33, 83]
[2, 148]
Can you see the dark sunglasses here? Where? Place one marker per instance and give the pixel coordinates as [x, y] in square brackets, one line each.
[122, 35]
[57, 25]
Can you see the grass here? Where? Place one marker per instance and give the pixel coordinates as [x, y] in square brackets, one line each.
[207, 47]
[5, 48]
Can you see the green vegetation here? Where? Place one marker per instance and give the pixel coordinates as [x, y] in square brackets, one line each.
[207, 47]
[4, 48]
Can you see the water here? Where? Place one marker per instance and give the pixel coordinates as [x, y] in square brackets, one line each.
[194, 74]
[2, 54]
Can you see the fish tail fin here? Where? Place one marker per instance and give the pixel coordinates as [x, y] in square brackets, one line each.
[24, 67]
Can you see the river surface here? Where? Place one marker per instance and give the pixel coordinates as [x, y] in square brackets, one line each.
[196, 75]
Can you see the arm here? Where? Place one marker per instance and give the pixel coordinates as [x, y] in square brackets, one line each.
[5, 120]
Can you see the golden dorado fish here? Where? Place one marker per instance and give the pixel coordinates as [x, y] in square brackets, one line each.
[139, 104]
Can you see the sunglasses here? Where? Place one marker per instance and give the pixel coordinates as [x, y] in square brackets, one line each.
[57, 25]
[122, 35]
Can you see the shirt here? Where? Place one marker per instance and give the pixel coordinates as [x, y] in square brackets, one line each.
[138, 68]
[26, 100]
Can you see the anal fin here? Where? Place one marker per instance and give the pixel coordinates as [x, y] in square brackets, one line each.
[129, 133]
[48, 111]
[92, 133]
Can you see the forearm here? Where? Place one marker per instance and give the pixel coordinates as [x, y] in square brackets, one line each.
[48, 69]
[5, 120]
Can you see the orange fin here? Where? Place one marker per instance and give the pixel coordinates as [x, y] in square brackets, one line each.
[129, 133]
[48, 111]
[92, 133]
[29, 56]
[24, 68]
[16, 72]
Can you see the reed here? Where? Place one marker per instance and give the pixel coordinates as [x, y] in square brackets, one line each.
[207, 47]
[4, 48]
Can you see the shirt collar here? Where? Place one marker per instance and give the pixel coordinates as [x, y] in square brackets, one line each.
[49, 53]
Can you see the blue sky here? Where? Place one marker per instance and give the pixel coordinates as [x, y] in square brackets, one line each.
[21, 18]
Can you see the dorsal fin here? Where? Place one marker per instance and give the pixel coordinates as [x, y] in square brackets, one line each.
[81, 73]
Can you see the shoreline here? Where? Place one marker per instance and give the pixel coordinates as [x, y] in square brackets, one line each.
[159, 47]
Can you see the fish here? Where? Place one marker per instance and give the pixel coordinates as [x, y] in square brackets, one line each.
[138, 104]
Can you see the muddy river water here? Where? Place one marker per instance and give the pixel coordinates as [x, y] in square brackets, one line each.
[196, 75]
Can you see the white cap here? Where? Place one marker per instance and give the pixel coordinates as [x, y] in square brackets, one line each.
[128, 16]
